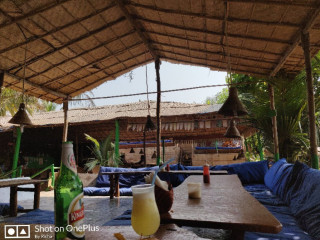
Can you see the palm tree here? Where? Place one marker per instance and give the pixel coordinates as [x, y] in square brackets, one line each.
[11, 99]
[290, 101]
[104, 153]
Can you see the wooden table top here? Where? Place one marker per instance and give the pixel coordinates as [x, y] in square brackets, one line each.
[224, 204]
[167, 231]
[13, 182]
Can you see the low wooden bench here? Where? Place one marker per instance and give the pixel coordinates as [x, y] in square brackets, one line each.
[13, 184]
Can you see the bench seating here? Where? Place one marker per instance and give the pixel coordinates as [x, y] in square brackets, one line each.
[290, 191]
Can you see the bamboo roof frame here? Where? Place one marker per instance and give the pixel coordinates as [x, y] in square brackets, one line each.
[74, 46]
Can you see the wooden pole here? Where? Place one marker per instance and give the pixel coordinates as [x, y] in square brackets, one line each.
[65, 124]
[305, 40]
[144, 149]
[157, 66]
[116, 144]
[274, 123]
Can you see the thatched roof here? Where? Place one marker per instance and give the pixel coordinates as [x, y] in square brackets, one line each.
[109, 112]
[74, 46]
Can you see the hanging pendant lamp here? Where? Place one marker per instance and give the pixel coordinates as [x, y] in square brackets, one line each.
[149, 124]
[21, 117]
[232, 131]
[233, 106]
[154, 155]
[132, 150]
[141, 151]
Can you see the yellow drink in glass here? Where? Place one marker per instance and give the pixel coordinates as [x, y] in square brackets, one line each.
[145, 218]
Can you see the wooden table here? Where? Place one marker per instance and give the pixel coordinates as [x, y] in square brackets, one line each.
[168, 231]
[224, 204]
[13, 184]
[114, 177]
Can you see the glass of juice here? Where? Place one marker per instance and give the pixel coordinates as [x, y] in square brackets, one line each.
[145, 218]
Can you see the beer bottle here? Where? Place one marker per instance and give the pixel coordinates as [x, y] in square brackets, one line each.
[68, 198]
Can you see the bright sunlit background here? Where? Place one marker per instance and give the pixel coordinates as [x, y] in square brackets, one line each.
[173, 76]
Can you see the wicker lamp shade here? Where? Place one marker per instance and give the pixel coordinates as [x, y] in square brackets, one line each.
[232, 131]
[233, 106]
[21, 117]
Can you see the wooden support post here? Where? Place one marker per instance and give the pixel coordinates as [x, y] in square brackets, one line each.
[36, 200]
[163, 151]
[144, 148]
[274, 123]
[65, 125]
[157, 66]
[116, 143]
[305, 40]
[13, 201]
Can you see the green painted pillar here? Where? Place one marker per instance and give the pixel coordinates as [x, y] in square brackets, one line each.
[116, 144]
[246, 144]
[16, 152]
[53, 177]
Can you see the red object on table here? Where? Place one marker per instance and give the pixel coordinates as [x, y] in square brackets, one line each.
[168, 168]
[206, 174]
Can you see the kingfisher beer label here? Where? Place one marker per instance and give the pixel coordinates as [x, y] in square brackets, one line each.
[68, 157]
[76, 216]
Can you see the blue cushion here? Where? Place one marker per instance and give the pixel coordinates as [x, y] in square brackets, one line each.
[305, 198]
[290, 230]
[5, 208]
[248, 172]
[281, 179]
[264, 195]
[272, 176]
[125, 181]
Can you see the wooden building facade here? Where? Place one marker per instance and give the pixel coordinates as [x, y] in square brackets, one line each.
[192, 133]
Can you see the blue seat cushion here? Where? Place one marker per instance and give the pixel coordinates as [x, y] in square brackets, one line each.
[125, 181]
[5, 208]
[304, 197]
[264, 195]
[273, 177]
[248, 172]
[290, 227]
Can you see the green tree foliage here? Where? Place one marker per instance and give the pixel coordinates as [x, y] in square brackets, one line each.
[219, 98]
[290, 102]
[11, 99]
[103, 152]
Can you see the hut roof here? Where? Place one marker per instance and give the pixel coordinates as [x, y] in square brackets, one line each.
[74, 46]
[132, 110]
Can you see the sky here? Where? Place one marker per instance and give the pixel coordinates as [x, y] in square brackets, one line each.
[172, 76]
